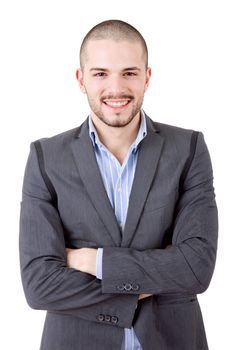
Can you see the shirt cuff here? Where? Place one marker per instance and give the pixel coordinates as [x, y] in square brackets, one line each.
[99, 263]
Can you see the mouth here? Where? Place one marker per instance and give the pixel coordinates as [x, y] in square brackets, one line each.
[116, 104]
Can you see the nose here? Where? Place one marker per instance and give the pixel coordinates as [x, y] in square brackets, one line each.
[116, 85]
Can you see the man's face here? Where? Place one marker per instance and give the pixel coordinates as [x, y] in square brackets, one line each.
[115, 79]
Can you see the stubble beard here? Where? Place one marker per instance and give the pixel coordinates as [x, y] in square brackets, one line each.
[119, 123]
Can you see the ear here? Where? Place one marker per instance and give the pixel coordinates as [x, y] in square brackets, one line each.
[79, 76]
[148, 76]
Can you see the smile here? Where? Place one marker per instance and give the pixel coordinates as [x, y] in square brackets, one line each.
[116, 103]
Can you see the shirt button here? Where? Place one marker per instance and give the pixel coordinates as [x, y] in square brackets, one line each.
[119, 189]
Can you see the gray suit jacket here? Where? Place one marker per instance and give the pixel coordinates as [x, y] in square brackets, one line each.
[168, 247]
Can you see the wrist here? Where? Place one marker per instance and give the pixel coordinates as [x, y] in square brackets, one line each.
[90, 261]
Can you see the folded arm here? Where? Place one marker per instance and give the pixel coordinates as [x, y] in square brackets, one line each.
[89, 260]
[187, 264]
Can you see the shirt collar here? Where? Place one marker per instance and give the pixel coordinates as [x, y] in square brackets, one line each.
[142, 132]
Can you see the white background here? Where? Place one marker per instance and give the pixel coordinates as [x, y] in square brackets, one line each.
[191, 55]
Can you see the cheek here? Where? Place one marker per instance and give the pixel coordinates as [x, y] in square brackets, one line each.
[94, 89]
[139, 92]
[138, 87]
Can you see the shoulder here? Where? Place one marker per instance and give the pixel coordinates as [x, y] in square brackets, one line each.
[59, 141]
[177, 139]
[167, 130]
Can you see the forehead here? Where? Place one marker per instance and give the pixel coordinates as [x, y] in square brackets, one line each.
[111, 53]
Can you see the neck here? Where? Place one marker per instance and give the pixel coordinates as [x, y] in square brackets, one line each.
[117, 139]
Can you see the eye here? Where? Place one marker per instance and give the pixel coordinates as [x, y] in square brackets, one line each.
[130, 74]
[100, 74]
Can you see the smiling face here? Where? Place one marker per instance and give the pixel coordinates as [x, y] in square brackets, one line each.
[115, 78]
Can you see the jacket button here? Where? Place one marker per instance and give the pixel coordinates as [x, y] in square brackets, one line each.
[135, 287]
[100, 317]
[128, 286]
[120, 288]
[107, 318]
[114, 319]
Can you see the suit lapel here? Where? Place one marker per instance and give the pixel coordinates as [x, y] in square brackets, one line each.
[88, 169]
[148, 158]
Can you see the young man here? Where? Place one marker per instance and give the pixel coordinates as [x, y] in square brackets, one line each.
[118, 219]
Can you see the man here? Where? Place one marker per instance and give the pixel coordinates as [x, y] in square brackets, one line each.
[118, 218]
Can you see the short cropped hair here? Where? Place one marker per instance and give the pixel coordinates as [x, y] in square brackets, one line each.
[116, 30]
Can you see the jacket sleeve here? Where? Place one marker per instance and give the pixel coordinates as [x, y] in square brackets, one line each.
[48, 283]
[187, 264]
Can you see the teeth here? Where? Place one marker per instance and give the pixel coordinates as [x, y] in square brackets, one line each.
[116, 103]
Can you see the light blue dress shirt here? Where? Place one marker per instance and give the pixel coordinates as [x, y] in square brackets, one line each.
[118, 180]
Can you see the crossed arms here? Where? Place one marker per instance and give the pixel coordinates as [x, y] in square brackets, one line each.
[84, 259]
[56, 282]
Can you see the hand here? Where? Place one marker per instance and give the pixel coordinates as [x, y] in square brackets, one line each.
[142, 296]
[83, 259]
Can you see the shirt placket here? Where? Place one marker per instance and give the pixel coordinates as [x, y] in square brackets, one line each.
[118, 196]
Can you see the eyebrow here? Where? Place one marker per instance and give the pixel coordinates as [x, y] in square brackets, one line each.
[131, 68]
[106, 70]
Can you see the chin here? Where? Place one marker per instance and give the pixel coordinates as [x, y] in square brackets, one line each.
[117, 121]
